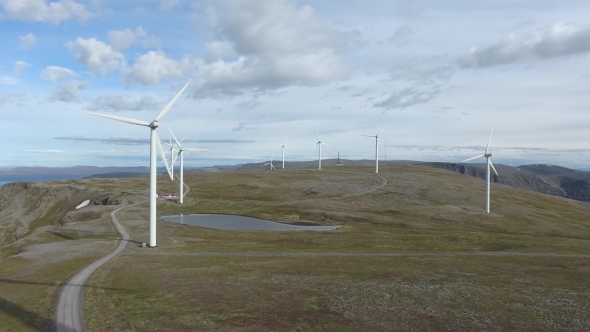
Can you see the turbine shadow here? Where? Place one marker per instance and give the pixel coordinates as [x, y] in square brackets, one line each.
[63, 236]
[27, 317]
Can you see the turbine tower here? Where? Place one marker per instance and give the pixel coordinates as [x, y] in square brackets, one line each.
[487, 155]
[377, 147]
[154, 145]
[319, 144]
[270, 163]
[283, 147]
[181, 156]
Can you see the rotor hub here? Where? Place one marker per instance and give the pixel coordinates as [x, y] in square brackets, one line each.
[488, 155]
[154, 124]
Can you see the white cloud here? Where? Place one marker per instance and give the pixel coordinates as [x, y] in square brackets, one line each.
[8, 80]
[217, 50]
[558, 40]
[43, 11]
[123, 39]
[55, 73]
[27, 41]
[96, 55]
[167, 5]
[151, 42]
[116, 102]
[154, 66]
[19, 66]
[274, 44]
[69, 92]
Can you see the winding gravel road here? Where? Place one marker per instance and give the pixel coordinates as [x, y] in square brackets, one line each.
[69, 316]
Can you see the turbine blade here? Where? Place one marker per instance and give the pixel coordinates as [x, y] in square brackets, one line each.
[171, 103]
[286, 141]
[182, 139]
[489, 141]
[177, 142]
[367, 135]
[162, 154]
[318, 135]
[379, 143]
[381, 130]
[493, 167]
[120, 118]
[167, 144]
[472, 158]
[326, 144]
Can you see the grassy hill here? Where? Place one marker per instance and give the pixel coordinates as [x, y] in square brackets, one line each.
[416, 252]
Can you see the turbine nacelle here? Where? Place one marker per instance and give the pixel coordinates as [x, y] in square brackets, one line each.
[154, 124]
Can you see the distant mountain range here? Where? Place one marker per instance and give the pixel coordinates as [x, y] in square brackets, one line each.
[547, 179]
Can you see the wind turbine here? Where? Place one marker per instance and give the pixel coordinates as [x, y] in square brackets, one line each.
[270, 163]
[377, 147]
[154, 145]
[181, 156]
[172, 157]
[487, 155]
[283, 147]
[319, 144]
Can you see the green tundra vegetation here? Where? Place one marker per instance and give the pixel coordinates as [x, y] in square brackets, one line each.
[415, 252]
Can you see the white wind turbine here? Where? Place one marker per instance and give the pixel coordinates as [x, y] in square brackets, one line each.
[377, 147]
[270, 163]
[319, 144]
[283, 147]
[172, 157]
[487, 155]
[181, 156]
[154, 145]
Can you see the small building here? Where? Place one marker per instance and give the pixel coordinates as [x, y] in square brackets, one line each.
[167, 196]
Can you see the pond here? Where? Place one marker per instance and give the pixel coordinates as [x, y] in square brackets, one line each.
[228, 222]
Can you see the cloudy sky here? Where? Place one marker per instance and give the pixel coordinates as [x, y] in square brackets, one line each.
[441, 74]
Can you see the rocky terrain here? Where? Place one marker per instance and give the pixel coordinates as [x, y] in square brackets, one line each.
[25, 206]
[546, 179]
[576, 184]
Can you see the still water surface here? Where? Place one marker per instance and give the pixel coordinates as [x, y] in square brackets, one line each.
[227, 222]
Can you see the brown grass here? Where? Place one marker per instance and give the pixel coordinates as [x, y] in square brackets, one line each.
[419, 210]
[341, 293]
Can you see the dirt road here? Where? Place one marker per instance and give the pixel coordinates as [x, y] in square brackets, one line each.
[69, 316]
